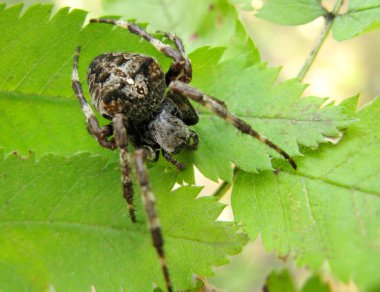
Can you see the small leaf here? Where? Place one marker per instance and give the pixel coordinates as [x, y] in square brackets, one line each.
[291, 12]
[314, 284]
[361, 17]
[283, 282]
[326, 211]
[65, 224]
[279, 282]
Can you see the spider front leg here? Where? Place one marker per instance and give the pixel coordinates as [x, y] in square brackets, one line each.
[175, 72]
[100, 134]
[121, 139]
[181, 66]
[172, 160]
[195, 139]
[221, 110]
[150, 208]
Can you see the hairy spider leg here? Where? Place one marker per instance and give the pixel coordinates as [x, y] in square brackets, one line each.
[177, 42]
[118, 129]
[180, 68]
[193, 146]
[100, 134]
[187, 72]
[121, 138]
[222, 111]
[149, 204]
[181, 48]
[187, 112]
[172, 160]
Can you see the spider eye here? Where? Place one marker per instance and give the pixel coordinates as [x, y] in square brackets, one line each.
[140, 90]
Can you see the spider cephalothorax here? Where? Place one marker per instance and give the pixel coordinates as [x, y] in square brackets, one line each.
[151, 110]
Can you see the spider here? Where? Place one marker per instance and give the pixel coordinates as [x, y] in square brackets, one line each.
[150, 110]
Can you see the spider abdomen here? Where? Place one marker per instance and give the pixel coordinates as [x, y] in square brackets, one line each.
[132, 84]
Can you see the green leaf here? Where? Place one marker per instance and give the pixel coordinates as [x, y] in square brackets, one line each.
[283, 282]
[39, 112]
[326, 211]
[314, 284]
[279, 282]
[198, 22]
[46, 125]
[274, 110]
[65, 224]
[361, 17]
[291, 12]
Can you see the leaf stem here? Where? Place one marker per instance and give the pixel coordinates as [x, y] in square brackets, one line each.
[329, 19]
[225, 186]
[222, 189]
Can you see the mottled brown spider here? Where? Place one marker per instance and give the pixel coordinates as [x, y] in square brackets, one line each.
[150, 110]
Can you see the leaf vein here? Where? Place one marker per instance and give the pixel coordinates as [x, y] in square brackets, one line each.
[38, 62]
[104, 229]
[337, 184]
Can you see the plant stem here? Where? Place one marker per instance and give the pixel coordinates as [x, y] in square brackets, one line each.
[222, 189]
[329, 19]
[225, 186]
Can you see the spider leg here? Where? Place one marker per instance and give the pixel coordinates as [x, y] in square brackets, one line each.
[172, 74]
[151, 155]
[176, 41]
[149, 204]
[222, 111]
[180, 68]
[194, 136]
[187, 112]
[172, 160]
[101, 134]
[185, 109]
[121, 139]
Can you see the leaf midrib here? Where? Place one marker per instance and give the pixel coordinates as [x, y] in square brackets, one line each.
[334, 183]
[272, 118]
[362, 9]
[101, 229]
